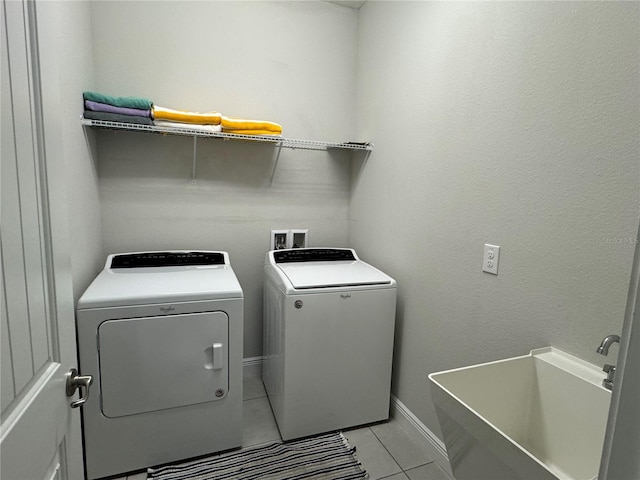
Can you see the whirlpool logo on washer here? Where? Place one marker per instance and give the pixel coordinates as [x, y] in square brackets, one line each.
[298, 304]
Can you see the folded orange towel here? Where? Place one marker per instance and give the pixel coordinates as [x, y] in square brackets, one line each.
[236, 125]
[209, 118]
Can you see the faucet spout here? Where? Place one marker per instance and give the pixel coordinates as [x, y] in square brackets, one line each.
[609, 340]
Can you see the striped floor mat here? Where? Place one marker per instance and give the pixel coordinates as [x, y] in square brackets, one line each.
[326, 457]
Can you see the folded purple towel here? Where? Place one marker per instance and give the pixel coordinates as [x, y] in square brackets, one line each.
[104, 107]
[116, 117]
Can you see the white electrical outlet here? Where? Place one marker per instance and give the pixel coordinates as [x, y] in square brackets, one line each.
[490, 259]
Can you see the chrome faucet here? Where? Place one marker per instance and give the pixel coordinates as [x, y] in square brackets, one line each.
[609, 340]
[610, 370]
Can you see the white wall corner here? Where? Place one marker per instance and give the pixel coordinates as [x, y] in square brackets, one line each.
[421, 433]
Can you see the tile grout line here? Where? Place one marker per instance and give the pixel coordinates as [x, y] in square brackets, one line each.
[387, 450]
[394, 458]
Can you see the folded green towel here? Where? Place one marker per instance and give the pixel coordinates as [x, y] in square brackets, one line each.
[128, 102]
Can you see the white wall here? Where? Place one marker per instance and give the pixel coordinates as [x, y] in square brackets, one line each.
[289, 62]
[66, 54]
[513, 123]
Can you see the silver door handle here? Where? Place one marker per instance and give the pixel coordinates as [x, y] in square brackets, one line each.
[75, 382]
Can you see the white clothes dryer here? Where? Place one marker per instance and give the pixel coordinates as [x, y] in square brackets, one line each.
[161, 334]
[329, 323]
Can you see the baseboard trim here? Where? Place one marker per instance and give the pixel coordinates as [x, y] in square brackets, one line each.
[414, 426]
[252, 366]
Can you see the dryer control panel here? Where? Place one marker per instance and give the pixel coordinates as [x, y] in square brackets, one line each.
[166, 259]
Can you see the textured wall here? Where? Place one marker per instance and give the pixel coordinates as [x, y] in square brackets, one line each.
[66, 43]
[513, 123]
[290, 62]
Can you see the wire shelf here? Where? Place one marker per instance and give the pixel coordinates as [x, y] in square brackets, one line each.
[185, 130]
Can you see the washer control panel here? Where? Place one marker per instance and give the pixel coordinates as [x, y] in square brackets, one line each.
[313, 255]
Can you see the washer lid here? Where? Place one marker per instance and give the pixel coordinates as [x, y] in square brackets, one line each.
[333, 274]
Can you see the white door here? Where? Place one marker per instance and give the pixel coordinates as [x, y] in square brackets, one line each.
[39, 432]
[620, 459]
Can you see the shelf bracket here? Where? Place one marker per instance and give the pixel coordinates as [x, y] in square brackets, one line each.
[275, 165]
[193, 165]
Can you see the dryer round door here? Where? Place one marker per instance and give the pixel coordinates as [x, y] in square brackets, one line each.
[154, 363]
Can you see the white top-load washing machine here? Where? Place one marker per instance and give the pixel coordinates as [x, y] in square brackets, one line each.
[161, 335]
[328, 340]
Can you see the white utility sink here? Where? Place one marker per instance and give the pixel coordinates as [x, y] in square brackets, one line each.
[541, 416]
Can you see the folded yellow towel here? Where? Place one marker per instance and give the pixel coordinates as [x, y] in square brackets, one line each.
[209, 118]
[251, 132]
[232, 125]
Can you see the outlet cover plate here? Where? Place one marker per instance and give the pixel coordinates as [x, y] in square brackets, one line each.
[491, 258]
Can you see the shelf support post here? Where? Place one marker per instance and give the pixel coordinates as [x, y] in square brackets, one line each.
[193, 165]
[275, 165]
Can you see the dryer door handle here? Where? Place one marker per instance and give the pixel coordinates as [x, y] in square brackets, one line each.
[218, 357]
[75, 382]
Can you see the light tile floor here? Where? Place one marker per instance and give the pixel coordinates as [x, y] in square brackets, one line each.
[386, 450]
